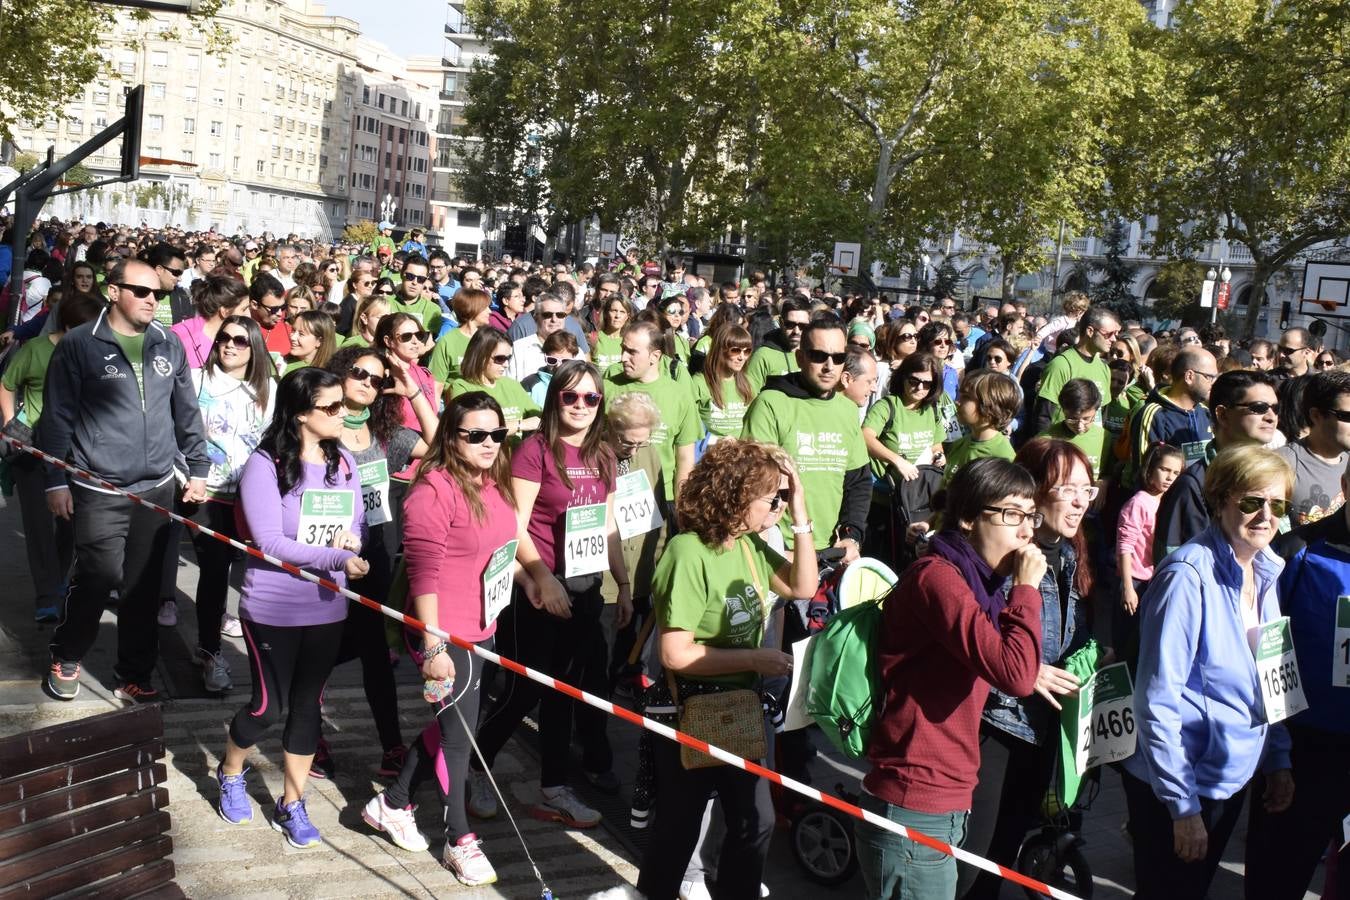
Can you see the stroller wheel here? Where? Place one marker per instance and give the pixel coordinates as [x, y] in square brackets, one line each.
[1059, 863]
[822, 843]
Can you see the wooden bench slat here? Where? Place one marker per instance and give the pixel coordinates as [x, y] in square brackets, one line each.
[74, 851]
[23, 753]
[80, 795]
[149, 882]
[66, 774]
[82, 821]
[89, 871]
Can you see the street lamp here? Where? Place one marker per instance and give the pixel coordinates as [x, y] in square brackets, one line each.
[1227, 275]
[923, 273]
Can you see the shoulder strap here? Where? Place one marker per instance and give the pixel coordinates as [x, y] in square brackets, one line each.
[754, 571]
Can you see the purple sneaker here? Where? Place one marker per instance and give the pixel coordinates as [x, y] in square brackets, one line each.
[234, 805]
[292, 820]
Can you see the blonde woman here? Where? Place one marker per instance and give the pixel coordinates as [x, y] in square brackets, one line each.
[367, 317]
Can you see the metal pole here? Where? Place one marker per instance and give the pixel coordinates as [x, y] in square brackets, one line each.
[1059, 260]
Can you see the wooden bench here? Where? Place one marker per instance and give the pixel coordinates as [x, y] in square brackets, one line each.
[82, 809]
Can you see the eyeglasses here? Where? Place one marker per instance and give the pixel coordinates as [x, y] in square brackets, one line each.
[820, 357]
[919, 384]
[1209, 375]
[1009, 515]
[332, 410]
[1261, 407]
[416, 279]
[739, 351]
[552, 360]
[940, 342]
[1086, 492]
[1249, 505]
[419, 336]
[1190, 339]
[674, 309]
[140, 291]
[793, 326]
[385, 292]
[501, 359]
[777, 501]
[366, 282]
[252, 250]
[1286, 351]
[590, 398]
[379, 382]
[1340, 415]
[238, 340]
[909, 335]
[271, 310]
[947, 309]
[478, 435]
[1111, 335]
[176, 273]
[633, 445]
[552, 315]
[1325, 363]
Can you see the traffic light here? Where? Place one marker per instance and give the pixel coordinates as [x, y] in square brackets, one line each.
[131, 133]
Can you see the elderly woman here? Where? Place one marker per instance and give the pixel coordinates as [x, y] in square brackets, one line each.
[1202, 722]
[711, 597]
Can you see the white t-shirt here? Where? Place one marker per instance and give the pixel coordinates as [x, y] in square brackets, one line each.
[36, 289]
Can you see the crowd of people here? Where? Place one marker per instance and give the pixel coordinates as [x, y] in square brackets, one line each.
[627, 477]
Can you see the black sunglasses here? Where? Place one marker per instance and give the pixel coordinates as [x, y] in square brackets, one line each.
[176, 273]
[140, 291]
[553, 315]
[819, 357]
[501, 359]
[1341, 415]
[1261, 407]
[272, 310]
[421, 336]
[380, 382]
[779, 499]
[590, 398]
[478, 435]
[416, 279]
[239, 340]
[919, 384]
[385, 292]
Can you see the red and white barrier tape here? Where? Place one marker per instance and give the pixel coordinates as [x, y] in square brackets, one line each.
[590, 699]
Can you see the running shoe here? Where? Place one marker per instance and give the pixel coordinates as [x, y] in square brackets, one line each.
[230, 627]
[63, 680]
[168, 613]
[292, 820]
[392, 761]
[134, 692]
[215, 671]
[234, 806]
[399, 824]
[559, 804]
[694, 890]
[467, 862]
[46, 615]
[482, 798]
[604, 782]
[323, 765]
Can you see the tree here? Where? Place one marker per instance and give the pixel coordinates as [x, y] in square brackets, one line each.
[1247, 136]
[360, 233]
[1115, 290]
[948, 279]
[1176, 291]
[25, 161]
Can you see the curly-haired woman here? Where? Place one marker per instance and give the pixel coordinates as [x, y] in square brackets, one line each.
[710, 593]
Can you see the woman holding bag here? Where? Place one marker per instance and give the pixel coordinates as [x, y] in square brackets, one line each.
[710, 592]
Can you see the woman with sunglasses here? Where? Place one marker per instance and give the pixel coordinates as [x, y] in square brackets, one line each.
[563, 479]
[360, 287]
[1019, 738]
[608, 348]
[724, 314]
[300, 494]
[472, 308]
[674, 311]
[236, 392]
[558, 347]
[216, 298]
[461, 511]
[484, 369]
[936, 338]
[896, 340]
[313, 340]
[332, 280]
[721, 391]
[1202, 705]
[385, 287]
[1325, 360]
[404, 341]
[367, 319]
[904, 430]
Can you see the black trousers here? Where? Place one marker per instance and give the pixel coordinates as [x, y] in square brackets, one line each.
[364, 638]
[1014, 776]
[1283, 849]
[48, 540]
[681, 797]
[214, 558]
[571, 650]
[1158, 873]
[119, 545]
[289, 665]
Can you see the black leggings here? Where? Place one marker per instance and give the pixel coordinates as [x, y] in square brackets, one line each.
[363, 638]
[571, 650]
[214, 558]
[444, 747]
[289, 665]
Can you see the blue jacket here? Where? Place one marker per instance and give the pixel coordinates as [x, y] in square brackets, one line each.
[1316, 573]
[1159, 419]
[1031, 718]
[1196, 696]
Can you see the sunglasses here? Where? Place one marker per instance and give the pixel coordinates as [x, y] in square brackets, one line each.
[739, 351]
[793, 326]
[940, 342]
[332, 410]
[140, 291]
[419, 336]
[501, 359]
[1261, 407]
[777, 501]
[860, 345]
[1249, 505]
[553, 315]
[590, 398]
[820, 357]
[366, 283]
[478, 435]
[271, 310]
[252, 250]
[416, 279]
[238, 340]
[385, 292]
[633, 445]
[380, 382]
[176, 273]
[919, 384]
[1341, 415]
[552, 360]
[909, 335]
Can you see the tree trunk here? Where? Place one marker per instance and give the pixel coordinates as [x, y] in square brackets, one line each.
[1258, 295]
[1009, 282]
[881, 187]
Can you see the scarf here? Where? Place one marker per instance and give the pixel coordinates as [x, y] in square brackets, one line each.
[357, 420]
[984, 582]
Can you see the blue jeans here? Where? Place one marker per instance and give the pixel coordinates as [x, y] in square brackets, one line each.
[895, 868]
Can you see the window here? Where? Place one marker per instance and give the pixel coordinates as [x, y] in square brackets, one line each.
[276, 122]
[239, 101]
[193, 62]
[75, 125]
[365, 95]
[281, 92]
[190, 93]
[287, 153]
[186, 156]
[218, 98]
[159, 59]
[239, 132]
[154, 123]
[213, 160]
[126, 62]
[189, 126]
[469, 218]
[213, 194]
[100, 122]
[235, 166]
[260, 167]
[379, 100]
[347, 100]
[101, 96]
[342, 182]
[217, 129]
[154, 151]
[323, 160]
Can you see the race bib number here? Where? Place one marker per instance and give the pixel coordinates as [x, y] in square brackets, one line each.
[1106, 732]
[1277, 669]
[375, 491]
[1340, 647]
[323, 514]
[498, 579]
[1194, 450]
[635, 505]
[585, 550]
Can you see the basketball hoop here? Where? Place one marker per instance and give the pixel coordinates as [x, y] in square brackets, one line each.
[1328, 305]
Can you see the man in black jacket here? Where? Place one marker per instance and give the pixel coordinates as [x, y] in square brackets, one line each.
[118, 402]
[169, 264]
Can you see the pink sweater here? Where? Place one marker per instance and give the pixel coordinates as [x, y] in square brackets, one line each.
[1135, 534]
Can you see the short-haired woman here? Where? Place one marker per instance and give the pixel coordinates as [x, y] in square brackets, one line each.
[558, 347]
[472, 308]
[950, 630]
[711, 595]
[1202, 722]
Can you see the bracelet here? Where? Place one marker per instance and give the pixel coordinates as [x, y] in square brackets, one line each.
[804, 529]
[436, 649]
[413, 396]
[624, 584]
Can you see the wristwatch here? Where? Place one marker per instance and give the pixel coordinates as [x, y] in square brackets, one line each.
[804, 529]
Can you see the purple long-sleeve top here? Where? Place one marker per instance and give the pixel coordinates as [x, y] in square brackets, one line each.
[275, 597]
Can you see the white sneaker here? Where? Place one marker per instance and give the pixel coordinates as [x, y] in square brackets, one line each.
[694, 890]
[215, 671]
[467, 862]
[397, 823]
[482, 798]
[230, 627]
[168, 613]
[559, 804]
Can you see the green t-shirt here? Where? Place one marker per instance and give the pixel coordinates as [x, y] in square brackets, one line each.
[515, 401]
[1092, 442]
[606, 350]
[1117, 412]
[720, 421]
[27, 373]
[823, 439]
[134, 347]
[448, 354]
[703, 344]
[710, 592]
[911, 432]
[293, 364]
[966, 449]
[680, 426]
[354, 340]
[164, 312]
[1070, 365]
[767, 362]
[423, 310]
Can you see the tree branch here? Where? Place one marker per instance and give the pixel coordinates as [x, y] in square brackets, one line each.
[862, 114]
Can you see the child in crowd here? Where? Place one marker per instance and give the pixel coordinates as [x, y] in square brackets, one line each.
[985, 403]
[1134, 540]
[1080, 401]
